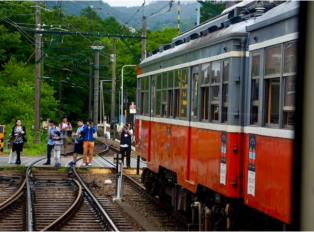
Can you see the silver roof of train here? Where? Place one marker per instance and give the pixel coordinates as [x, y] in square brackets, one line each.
[217, 36]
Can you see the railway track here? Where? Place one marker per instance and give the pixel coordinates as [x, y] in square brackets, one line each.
[52, 200]
[141, 190]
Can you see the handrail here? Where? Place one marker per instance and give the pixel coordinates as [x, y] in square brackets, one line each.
[110, 223]
[68, 210]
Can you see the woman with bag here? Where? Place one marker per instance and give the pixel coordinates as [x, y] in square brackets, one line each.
[19, 134]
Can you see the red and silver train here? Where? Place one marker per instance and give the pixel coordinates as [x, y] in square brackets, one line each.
[215, 117]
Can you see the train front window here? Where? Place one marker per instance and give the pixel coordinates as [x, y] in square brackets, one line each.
[194, 97]
[255, 72]
[272, 87]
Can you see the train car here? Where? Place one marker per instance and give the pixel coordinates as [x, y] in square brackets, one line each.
[215, 117]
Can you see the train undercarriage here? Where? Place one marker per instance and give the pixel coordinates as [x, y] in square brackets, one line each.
[206, 209]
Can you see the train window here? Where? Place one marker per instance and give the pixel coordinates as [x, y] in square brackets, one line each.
[144, 95]
[184, 80]
[146, 83]
[289, 101]
[194, 98]
[272, 87]
[164, 80]
[184, 100]
[146, 101]
[255, 87]
[289, 74]
[184, 94]
[170, 92]
[158, 103]
[152, 96]
[170, 81]
[225, 78]
[214, 87]
[205, 74]
[272, 61]
[177, 102]
[204, 107]
[164, 103]
[159, 81]
[177, 76]
[142, 103]
[215, 72]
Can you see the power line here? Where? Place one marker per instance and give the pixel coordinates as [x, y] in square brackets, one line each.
[12, 23]
[135, 13]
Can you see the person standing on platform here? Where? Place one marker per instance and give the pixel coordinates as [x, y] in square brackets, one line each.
[11, 157]
[53, 129]
[79, 137]
[88, 144]
[65, 128]
[19, 133]
[125, 143]
[57, 149]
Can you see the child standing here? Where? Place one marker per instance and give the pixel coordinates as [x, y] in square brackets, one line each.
[57, 148]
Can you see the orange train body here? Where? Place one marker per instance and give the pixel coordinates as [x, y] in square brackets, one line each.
[194, 154]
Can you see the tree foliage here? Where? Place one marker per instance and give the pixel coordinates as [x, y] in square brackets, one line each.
[207, 14]
[66, 62]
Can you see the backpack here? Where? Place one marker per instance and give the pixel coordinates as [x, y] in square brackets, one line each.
[80, 137]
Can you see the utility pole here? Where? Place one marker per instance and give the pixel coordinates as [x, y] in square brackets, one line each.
[198, 14]
[113, 86]
[143, 40]
[37, 72]
[96, 83]
[90, 89]
[59, 98]
[126, 103]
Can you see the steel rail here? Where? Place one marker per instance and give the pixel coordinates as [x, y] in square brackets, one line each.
[14, 197]
[66, 213]
[106, 217]
[29, 203]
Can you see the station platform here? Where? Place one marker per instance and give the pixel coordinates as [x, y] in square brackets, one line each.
[98, 162]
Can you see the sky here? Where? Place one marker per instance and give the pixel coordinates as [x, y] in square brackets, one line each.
[131, 2]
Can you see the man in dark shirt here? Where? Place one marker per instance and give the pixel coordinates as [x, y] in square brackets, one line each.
[125, 143]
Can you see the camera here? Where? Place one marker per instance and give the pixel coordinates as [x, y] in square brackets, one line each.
[126, 125]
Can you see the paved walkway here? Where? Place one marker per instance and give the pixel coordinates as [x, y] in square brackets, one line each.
[98, 162]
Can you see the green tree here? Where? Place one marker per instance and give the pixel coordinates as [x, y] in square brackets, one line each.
[207, 13]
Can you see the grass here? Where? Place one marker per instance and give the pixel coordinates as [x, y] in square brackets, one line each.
[23, 168]
[83, 170]
[62, 169]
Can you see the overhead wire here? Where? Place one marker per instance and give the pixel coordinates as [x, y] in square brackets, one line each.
[12, 23]
[135, 13]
